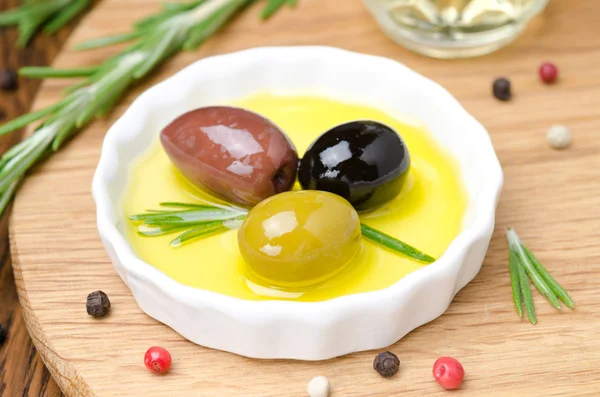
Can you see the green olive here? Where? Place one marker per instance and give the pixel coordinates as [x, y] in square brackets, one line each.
[295, 239]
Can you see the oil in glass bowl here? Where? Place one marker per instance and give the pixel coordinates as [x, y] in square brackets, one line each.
[454, 28]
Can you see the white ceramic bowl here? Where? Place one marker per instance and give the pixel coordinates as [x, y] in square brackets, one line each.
[298, 330]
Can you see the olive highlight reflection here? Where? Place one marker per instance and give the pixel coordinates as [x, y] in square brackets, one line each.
[365, 162]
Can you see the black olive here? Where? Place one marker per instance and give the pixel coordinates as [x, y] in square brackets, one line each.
[365, 162]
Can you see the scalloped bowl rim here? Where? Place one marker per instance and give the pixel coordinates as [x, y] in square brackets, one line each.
[322, 317]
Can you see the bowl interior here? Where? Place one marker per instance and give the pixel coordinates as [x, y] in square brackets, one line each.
[327, 72]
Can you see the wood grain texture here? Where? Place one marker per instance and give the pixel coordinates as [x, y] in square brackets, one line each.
[552, 198]
[22, 372]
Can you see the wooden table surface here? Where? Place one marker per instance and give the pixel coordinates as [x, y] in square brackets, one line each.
[551, 197]
[22, 372]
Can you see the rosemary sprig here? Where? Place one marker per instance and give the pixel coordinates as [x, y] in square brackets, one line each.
[195, 221]
[155, 39]
[33, 14]
[524, 264]
[37, 71]
[192, 221]
[394, 244]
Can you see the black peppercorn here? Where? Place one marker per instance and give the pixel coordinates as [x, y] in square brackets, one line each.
[97, 304]
[2, 335]
[501, 89]
[386, 364]
[9, 80]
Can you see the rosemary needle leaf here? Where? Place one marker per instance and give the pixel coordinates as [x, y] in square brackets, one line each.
[186, 217]
[154, 20]
[106, 41]
[171, 6]
[12, 17]
[170, 10]
[65, 16]
[7, 195]
[272, 7]
[513, 262]
[514, 243]
[198, 232]
[152, 231]
[10, 153]
[394, 244]
[526, 293]
[26, 31]
[554, 285]
[184, 205]
[42, 72]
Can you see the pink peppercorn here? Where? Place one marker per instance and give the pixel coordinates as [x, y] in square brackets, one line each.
[157, 359]
[448, 372]
[548, 72]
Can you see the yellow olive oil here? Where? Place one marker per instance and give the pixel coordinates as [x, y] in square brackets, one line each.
[427, 214]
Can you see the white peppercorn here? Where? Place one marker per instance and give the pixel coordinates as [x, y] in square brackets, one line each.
[558, 136]
[318, 387]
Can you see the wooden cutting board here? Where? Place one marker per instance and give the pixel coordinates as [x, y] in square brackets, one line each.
[551, 197]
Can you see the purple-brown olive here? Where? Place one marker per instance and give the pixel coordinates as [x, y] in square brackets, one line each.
[235, 154]
[365, 162]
